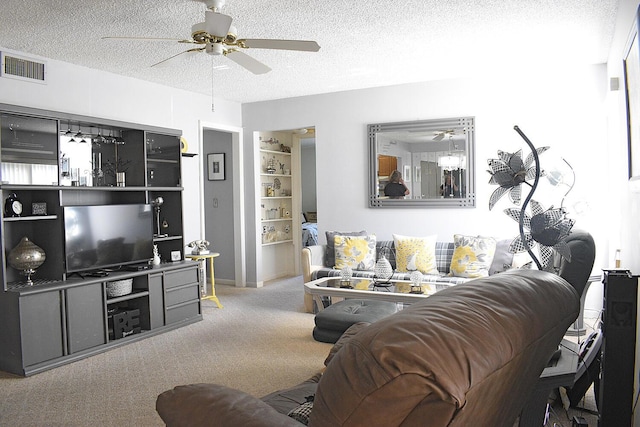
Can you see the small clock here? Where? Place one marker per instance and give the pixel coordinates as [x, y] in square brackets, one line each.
[12, 206]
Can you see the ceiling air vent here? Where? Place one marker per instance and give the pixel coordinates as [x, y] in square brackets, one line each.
[17, 67]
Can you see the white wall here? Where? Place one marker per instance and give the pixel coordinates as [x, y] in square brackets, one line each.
[624, 197]
[84, 91]
[624, 200]
[562, 108]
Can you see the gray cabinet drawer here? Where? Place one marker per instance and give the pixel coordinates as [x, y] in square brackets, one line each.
[180, 277]
[183, 311]
[181, 294]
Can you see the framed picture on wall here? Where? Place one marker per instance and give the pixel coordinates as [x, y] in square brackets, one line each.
[215, 166]
[632, 92]
[406, 174]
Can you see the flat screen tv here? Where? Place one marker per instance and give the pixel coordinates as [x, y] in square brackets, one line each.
[107, 236]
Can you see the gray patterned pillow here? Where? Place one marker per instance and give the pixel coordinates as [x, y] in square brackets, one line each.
[503, 259]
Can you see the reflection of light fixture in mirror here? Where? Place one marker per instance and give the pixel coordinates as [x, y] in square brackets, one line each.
[449, 162]
[157, 202]
[301, 131]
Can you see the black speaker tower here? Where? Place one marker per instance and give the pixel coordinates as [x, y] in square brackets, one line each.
[618, 348]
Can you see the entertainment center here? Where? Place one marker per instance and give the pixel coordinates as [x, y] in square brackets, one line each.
[97, 197]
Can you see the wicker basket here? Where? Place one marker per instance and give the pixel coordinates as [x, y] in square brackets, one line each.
[119, 288]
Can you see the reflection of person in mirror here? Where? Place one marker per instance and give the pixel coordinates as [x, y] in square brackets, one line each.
[396, 189]
[449, 188]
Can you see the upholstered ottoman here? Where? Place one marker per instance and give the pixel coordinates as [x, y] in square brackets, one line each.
[337, 318]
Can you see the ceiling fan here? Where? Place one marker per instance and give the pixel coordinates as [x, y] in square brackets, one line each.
[216, 36]
[439, 135]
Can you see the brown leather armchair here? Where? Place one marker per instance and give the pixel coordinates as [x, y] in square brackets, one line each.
[468, 355]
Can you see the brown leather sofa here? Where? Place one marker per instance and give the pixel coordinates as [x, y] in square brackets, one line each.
[466, 356]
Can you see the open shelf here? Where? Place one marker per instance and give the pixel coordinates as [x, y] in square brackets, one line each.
[132, 295]
[29, 218]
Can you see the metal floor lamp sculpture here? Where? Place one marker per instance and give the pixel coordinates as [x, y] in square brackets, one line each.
[547, 228]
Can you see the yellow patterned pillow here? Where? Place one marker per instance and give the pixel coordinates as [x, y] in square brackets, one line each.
[357, 252]
[472, 256]
[416, 253]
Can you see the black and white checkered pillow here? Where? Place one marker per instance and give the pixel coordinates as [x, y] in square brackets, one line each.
[302, 412]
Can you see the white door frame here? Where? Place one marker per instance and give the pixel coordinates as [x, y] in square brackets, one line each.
[238, 200]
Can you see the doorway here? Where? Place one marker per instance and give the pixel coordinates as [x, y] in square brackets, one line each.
[221, 209]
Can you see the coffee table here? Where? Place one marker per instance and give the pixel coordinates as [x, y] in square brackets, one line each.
[397, 291]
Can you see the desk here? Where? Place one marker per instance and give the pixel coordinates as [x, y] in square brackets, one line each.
[561, 374]
[203, 257]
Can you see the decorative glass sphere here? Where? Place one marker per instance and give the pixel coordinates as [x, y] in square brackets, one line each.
[345, 277]
[346, 273]
[383, 270]
[416, 281]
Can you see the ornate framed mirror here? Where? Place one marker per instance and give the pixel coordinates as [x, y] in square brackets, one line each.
[433, 159]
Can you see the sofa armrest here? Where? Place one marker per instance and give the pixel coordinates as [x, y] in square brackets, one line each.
[208, 404]
[313, 258]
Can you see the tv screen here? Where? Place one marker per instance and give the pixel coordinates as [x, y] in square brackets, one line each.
[107, 236]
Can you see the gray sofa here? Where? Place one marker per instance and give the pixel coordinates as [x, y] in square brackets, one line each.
[316, 264]
[469, 355]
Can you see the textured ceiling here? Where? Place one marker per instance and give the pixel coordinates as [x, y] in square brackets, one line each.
[363, 43]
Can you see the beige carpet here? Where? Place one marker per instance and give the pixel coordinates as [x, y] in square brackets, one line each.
[259, 342]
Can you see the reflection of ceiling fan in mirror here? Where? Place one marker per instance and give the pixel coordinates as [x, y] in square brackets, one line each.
[439, 135]
[216, 36]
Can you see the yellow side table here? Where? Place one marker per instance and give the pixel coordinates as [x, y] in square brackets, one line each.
[203, 257]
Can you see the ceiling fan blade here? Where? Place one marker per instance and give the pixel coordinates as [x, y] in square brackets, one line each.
[217, 24]
[151, 39]
[190, 51]
[303, 45]
[244, 60]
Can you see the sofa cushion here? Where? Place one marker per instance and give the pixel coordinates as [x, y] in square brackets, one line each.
[416, 253]
[330, 257]
[502, 259]
[444, 254]
[357, 252]
[472, 255]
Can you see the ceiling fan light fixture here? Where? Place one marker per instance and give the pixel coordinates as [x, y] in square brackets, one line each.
[214, 4]
[217, 24]
[232, 35]
[215, 49]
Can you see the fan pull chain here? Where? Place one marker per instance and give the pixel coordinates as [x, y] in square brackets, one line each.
[213, 107]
